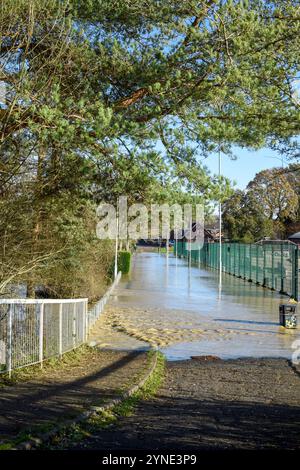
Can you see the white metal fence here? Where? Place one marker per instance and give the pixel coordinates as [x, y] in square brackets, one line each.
[96, 309]
[32, 330]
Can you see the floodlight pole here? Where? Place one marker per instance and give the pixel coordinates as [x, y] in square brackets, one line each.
[220, 222]
[190, 243]
[116, 247]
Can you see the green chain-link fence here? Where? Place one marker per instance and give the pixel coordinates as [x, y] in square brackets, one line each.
[271, 264]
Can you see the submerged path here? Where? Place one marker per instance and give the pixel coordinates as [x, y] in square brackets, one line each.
[183, 312]
[204, 403]
[234, 403]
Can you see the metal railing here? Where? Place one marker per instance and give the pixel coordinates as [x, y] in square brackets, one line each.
[272, 264]
[33, 330]
[95, 310]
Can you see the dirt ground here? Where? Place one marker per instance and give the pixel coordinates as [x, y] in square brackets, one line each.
[54, 395]
[212, 405]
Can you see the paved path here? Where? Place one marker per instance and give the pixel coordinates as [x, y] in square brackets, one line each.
[58, 394]
[240, 404]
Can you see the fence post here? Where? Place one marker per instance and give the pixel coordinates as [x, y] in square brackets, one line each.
[264, 266]
[74, 325]
[257, 246]
[41, 335]
[9, 341]
[86, 319]
[250, 262]
[296, 263]
[234, 260]
[60, 331]
[272, 266]
[281, 269]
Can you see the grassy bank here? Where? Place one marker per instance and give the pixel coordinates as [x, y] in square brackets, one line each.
[75, 433]
[69, 434]
[35, 371]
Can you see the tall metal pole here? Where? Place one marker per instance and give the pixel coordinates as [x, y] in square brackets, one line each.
[189, 251]
[116, 248]
[190, 245]
[9, 341]
[176, 248]
[167, 248]
[220, 224]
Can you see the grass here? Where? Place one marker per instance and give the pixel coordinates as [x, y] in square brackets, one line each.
[25, 436]
[71, 358]
[75, 433]
[164, 250]
[149, 389]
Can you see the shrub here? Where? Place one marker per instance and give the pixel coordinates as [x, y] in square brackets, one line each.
[124, 258]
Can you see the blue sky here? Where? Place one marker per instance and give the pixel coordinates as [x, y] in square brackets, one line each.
[248, 163]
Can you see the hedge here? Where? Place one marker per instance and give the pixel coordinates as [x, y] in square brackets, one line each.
[124, 259]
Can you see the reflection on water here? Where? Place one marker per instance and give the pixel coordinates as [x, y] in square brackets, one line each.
[162, 284]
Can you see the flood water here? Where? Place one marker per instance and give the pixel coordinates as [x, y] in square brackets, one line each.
[242, 316]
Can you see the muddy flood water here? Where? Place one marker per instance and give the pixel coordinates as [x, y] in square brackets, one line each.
[183, 312]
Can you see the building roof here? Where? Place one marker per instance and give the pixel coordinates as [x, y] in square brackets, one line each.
[295, 235]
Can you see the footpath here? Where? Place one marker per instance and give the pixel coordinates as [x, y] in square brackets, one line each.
[39, 399]
[213, 405]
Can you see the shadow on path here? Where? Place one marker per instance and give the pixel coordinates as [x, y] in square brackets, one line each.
[191, 424]
[213, 405]
[66, 393]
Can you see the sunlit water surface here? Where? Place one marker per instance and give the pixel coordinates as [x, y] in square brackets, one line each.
[157, 282]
